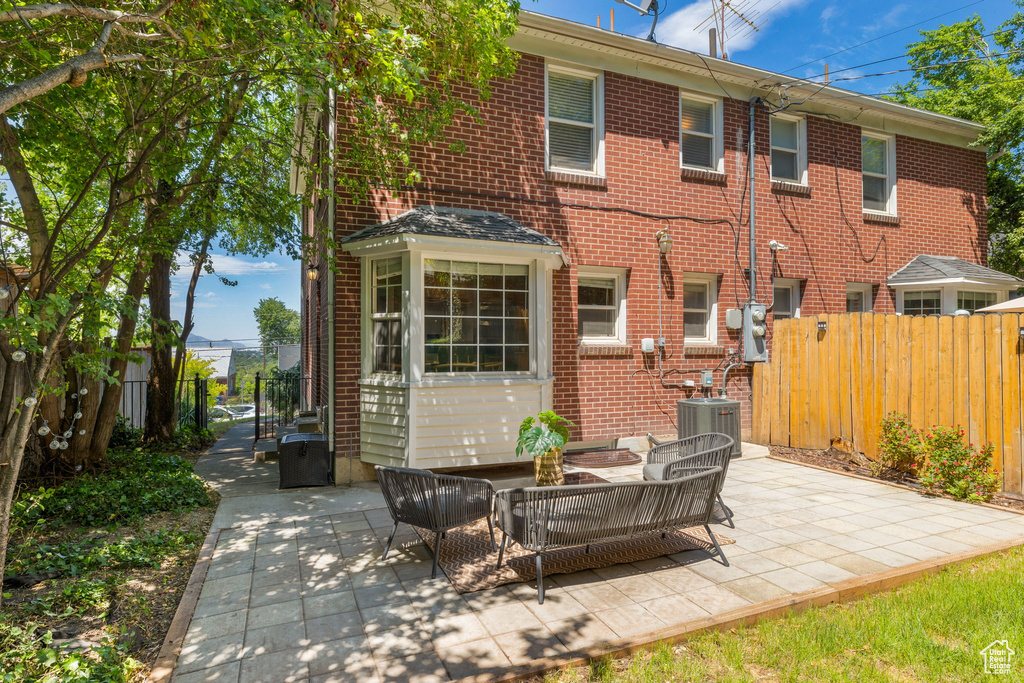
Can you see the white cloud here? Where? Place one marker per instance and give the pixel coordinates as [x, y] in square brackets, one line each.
[827, 15]
[677, 29]
[887, 20]
[231, 266]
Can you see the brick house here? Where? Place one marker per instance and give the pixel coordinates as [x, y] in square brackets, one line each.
[603, 199]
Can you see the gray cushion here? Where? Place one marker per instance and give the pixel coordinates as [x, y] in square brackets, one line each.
[654, 472]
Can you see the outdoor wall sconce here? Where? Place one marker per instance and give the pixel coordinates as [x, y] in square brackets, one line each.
[664, 240]
[1020, 333]
[822, 326]
[313, 273]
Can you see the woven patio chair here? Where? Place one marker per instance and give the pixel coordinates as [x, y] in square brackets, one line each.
[550, 517]
[435, 502]
[704, 450]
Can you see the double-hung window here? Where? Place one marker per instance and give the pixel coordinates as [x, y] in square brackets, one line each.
[699, 308]
[574, 128]
[879, 173]
[601, 305]
[386, 316]
[786, 298]
[476, 317]
[858, 297]
[700, 133]
[789, 158]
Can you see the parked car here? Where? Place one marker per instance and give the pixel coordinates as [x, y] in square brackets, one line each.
[220, 413]
[243, 411]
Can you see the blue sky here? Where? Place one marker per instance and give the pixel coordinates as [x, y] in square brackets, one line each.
[794, 37]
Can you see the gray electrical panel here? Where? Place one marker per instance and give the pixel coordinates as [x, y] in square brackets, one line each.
[704, 415]
[755, 330]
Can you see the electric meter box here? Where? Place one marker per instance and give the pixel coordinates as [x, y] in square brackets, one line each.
[755, 333]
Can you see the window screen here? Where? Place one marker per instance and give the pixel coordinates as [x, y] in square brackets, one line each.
[572, 118]
[697, 134]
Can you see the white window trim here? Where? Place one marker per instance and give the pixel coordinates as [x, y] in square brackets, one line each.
[801, 150]
[864, 288]
[718, 145]
[598, 125]
[711, 280]
[948, 292]
[619, 276]
[794, 286]
[890, 177]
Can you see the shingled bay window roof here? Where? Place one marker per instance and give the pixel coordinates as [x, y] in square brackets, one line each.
[926, 268]
[453, 223]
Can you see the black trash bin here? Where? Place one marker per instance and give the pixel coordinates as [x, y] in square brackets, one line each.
[304, 460]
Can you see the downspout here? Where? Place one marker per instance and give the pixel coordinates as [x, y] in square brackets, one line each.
[332, 203]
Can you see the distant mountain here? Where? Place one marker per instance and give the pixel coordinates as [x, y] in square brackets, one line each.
[196, 340]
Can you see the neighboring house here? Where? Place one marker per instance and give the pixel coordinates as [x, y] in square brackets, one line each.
[602, 198]
[222, 359]
[12, 279]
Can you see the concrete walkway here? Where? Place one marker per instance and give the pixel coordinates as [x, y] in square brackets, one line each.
[296, 590]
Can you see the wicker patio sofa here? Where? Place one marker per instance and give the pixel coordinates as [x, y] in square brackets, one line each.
[550, 517]
[666, 458]
[436, 502]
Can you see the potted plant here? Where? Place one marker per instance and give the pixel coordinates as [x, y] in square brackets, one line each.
[542, 438]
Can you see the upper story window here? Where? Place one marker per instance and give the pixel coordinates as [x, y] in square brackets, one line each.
[476, 317]
[789, 142]
[386, 315]
[699, 308]
[878, 166]
[601, 305]
[786, 298]
[700, 132]
[575, 134]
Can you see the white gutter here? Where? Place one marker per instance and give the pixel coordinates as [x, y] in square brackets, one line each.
[534, 25]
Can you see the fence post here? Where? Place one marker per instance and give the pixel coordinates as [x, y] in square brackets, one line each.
[256, 402]
[196, 408]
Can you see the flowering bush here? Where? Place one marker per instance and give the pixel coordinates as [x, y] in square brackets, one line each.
[955, 467]
[900, 446]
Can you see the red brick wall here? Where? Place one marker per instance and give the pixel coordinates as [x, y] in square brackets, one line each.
[941, 204]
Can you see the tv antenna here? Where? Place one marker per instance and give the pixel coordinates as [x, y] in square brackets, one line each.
[733, 18]
[645, 8]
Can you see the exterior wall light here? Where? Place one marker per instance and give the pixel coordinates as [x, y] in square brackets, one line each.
[313, 273]
[664, 240]
[822, 326]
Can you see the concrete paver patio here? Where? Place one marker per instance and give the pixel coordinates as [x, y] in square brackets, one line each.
[296, 589]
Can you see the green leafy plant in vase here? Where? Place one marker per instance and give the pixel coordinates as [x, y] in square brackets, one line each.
[542, 438]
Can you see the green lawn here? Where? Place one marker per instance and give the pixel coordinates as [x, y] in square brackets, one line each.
[931, 630]
[221, 427]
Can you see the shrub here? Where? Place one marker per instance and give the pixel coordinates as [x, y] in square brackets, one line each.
[85, 555]
[136, 484]
[125, 436]
[189, 437]
[957, 468]
[900, 446]
[27, 656]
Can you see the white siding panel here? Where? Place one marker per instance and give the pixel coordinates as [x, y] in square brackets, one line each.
[470, 425]
[383, 422]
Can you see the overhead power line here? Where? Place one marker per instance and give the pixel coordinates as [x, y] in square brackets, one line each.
[886, 35]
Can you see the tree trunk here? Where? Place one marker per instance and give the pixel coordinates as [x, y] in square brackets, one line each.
[110, 404]
[161, 406]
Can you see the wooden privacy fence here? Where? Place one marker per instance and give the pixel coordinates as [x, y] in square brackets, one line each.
[841, 382]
